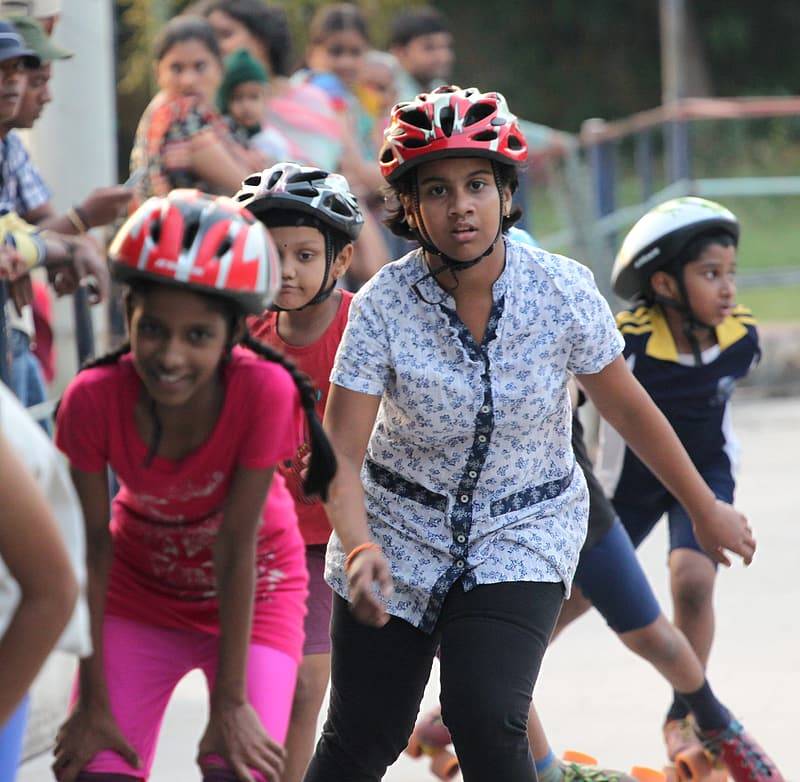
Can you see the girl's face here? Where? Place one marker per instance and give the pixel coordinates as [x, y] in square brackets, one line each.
[302, 254]
[341, 53]
[178, 339]
[232, 35]
[460, 205]
[189, 68]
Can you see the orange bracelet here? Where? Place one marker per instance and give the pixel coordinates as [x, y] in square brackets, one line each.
[356, 551]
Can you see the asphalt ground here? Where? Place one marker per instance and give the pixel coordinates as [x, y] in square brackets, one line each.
[597, 697]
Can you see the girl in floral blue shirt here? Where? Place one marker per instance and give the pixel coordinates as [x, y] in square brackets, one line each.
[457, 508]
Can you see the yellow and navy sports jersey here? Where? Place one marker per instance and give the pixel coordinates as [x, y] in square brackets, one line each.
[695, 399]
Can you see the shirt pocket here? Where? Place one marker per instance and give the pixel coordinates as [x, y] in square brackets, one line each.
[531, 496]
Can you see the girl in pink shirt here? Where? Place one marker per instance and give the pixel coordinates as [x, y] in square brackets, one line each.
[202, 565]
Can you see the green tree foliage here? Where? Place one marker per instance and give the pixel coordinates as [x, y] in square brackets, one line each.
[558, 61]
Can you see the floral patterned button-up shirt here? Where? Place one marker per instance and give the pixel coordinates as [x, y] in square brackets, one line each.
[469, 473]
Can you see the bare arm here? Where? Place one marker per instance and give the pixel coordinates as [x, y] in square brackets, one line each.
[215, 164]
[92, 488]
[623, 402]
[349, 418]
[234, 729]
[34, 553]
[101, 207]
[91, 726]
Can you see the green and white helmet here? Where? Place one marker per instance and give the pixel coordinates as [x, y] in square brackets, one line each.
[661, 235]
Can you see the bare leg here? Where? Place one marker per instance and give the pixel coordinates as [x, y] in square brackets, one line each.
[692, 578]
[312, 681]
[540, 746]
[575, 607]
[663, 645]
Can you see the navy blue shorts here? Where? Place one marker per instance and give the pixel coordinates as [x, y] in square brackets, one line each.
[610, 576]
[639, 519]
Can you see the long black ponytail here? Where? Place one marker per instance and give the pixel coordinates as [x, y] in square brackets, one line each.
[322, 466]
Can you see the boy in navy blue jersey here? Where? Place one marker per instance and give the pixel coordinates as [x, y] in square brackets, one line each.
[687, 343]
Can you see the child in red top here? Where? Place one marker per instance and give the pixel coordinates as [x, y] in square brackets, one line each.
[314, 219]
[202, 564]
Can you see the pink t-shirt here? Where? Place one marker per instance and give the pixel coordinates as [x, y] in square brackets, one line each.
[165, 518]
[316, 360]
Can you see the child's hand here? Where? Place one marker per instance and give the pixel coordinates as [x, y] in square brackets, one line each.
[88, 730]
[724, 528]
[367, 569]
[235, 733]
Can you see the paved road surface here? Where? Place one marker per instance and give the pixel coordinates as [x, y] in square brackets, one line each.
[596, 696]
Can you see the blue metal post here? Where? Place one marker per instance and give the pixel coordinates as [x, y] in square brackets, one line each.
[5, 345]
[678, 148]
[643, 153]
[602, 158]
[523, 199]
[84, 330]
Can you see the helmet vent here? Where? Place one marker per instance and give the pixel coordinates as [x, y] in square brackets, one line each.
[304, 190]
[254, 180]
[273, 180]
[419, 119]
[224, 246]
[477, 112]
[155, 231]
[190, 234]
[446, 119]
[485, 135]
[387, 155]
[514, 142]
[337, 205]
[414, 143]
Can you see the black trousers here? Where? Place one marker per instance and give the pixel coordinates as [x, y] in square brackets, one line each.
[491, 640]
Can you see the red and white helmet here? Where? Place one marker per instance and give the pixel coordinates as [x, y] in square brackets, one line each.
[451, 122]
[207, 243]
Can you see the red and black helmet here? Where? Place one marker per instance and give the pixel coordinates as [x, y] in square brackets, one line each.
[207, 243]
[451, 122]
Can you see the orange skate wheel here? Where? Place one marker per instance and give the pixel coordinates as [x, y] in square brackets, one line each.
[571, 756]
[645, 774]
[444, 765]
[414, 748]
[694, 765]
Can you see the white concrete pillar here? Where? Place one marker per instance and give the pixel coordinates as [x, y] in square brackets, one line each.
[74, 143]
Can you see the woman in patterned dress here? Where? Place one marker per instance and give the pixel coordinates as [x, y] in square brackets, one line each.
[458, 512]
[181, 140]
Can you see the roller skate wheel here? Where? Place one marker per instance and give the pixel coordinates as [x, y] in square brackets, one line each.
[572, 756]
[444, 765]
[645, 774]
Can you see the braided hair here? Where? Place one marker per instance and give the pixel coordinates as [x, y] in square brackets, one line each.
[322, 466]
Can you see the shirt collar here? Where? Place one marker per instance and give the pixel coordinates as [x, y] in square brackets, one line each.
[661, 344]
[432, 291]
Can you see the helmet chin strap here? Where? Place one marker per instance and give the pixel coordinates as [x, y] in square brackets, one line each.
[690, 321]
[324, 292]
[449, 264]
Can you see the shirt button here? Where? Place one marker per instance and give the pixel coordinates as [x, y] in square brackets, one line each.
[461, 538]
[464, 498]
[481, 438]
[473, 474]
[485, 409]
[460, 563]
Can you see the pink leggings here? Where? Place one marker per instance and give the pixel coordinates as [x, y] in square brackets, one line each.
[143, 665]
